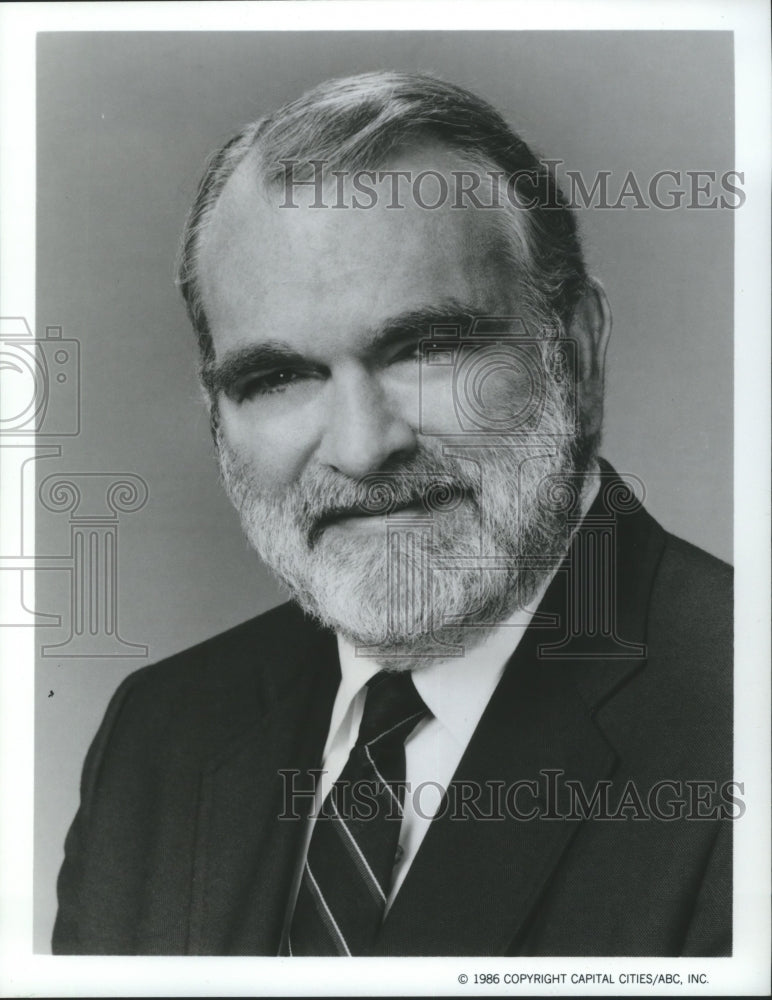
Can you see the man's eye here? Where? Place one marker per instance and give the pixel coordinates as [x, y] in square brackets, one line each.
[270, 382]
[409, 353]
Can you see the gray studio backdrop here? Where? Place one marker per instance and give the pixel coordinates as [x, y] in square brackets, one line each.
[125, 121]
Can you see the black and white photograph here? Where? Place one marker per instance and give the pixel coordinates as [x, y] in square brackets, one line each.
[385, 462]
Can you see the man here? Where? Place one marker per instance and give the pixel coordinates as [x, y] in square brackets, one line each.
[495, 719]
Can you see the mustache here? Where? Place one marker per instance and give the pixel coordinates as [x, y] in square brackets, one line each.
[434, 484]
[384, 494]
[430, 480]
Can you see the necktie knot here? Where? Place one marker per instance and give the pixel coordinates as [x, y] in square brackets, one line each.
[393, 708]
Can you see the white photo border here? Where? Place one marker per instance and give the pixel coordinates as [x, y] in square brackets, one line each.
[747, 971]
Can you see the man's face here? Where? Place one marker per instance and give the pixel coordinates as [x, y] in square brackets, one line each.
[316, 317]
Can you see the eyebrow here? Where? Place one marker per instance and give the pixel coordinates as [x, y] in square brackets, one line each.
[238, 363]
[222, 376]
[419, 322]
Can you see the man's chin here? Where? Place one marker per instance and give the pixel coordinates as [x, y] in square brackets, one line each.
[398, 624]
[414, 649]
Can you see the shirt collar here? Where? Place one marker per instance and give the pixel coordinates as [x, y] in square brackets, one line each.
[457, 690]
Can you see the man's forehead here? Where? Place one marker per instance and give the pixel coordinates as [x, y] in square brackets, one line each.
[417, 188]
[259, 254]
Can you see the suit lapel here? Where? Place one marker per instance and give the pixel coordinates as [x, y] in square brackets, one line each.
[245, 854]
[475, 882]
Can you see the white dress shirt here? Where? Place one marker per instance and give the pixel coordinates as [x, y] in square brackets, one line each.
[456, 692]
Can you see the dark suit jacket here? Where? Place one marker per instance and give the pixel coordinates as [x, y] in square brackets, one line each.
[177, 847]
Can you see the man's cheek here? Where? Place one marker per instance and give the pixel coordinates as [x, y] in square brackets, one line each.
[480, 392]
[274, 452]
[438, 405]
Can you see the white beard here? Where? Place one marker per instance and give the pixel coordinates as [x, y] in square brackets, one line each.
[426, 584]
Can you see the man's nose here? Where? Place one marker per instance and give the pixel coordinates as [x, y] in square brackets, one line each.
[364, 429]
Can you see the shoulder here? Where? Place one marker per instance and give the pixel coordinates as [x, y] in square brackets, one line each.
[681, 560]
[246, 654]
[667, 581]
[684, 695]
[672, 709]
[203, 695]
[692, 602]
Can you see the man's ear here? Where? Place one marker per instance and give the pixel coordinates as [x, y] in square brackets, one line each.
[590, 329]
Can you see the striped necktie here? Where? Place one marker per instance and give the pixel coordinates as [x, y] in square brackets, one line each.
[347, 873]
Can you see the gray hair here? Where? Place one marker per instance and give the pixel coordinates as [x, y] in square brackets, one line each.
[355, 123]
